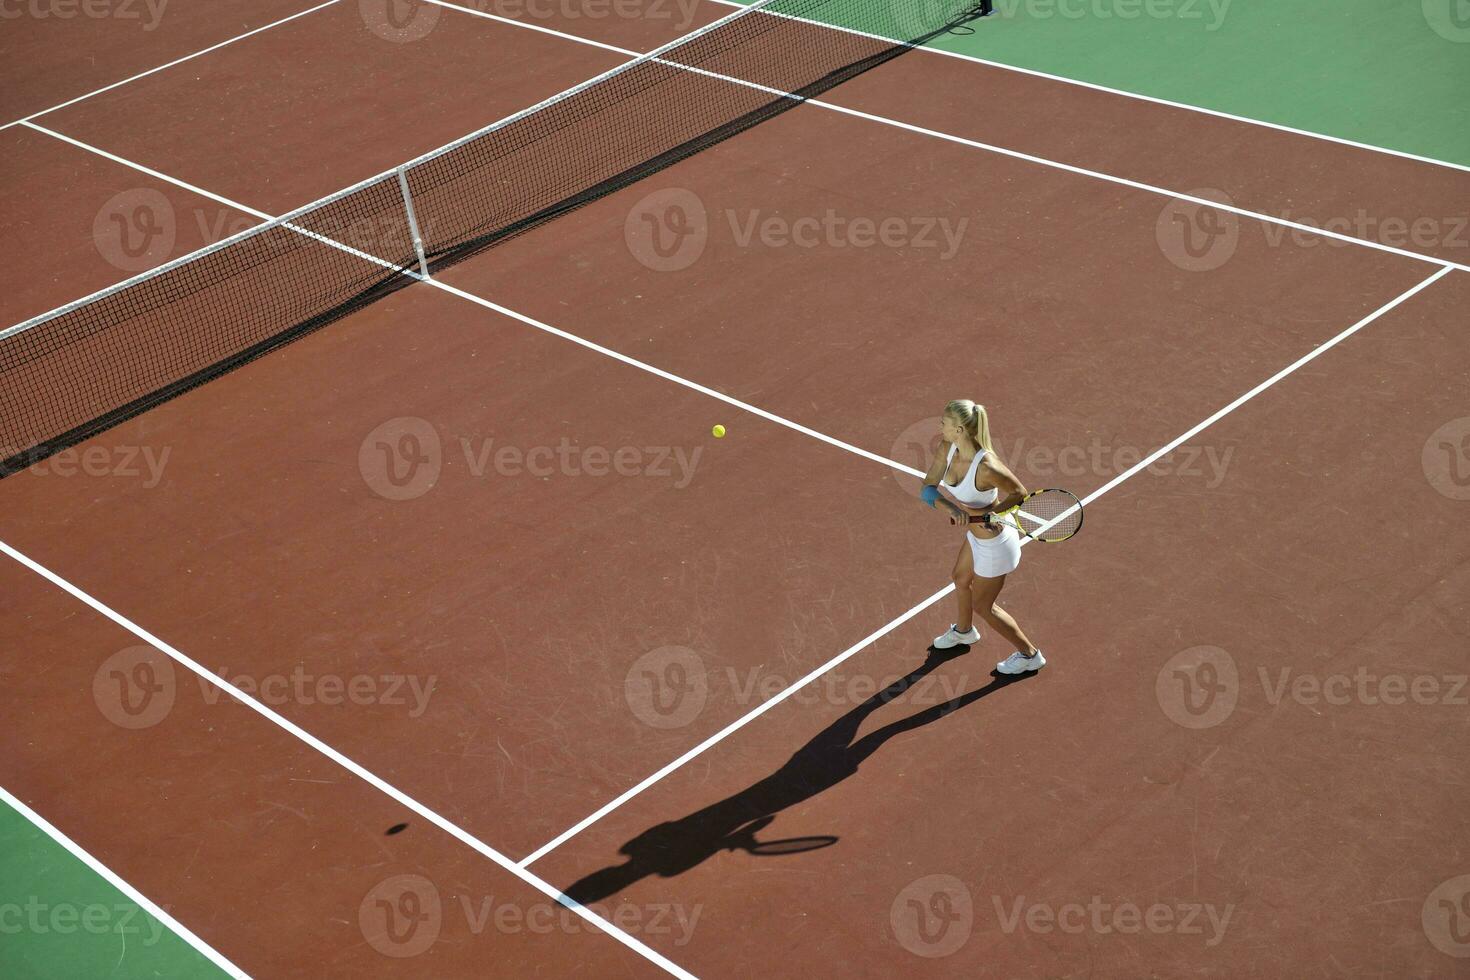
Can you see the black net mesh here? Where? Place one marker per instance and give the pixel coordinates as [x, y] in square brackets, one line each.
[72, 374]
[658, 111]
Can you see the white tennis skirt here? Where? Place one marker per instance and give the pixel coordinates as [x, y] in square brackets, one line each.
[997, 556]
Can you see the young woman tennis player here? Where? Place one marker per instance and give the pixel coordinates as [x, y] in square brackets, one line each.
[977, 483]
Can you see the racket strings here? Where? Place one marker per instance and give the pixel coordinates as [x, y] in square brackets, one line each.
[1052, 515]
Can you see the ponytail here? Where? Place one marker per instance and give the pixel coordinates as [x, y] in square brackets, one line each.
[973, 419]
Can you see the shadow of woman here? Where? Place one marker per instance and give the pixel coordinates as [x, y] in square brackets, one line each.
[674, 847]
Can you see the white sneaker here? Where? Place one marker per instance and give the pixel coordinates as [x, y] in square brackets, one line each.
[954, 638]
[1019, 663]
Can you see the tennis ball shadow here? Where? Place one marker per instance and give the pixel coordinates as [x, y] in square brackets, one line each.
[734, 823]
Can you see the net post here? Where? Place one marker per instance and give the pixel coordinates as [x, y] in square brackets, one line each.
[413, 222]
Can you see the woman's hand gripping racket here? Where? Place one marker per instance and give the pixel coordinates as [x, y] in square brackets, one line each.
[1048, 516]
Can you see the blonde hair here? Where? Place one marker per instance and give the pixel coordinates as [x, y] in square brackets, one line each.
[973, 419]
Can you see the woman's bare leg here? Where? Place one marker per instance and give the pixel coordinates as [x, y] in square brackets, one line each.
[983, 593]
[964, 577]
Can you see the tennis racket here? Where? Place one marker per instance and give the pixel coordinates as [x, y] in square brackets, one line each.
[1048, 516]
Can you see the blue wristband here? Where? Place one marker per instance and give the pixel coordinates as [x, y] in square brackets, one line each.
[930, 495]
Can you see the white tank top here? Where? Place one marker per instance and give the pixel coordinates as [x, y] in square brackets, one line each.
[965, 491]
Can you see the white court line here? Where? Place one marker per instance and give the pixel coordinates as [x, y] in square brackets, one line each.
[1041, 161]
[1445, 268]
[1140, 186]
[939, 51]
[1289, 369]
[142, 169]
[176, 61]
[504, 310]
[1188, 107]
[732, 728]
[447, 5]
[765, 706]
[270, 715]
[660, 372]
[111, 877]
[978, 145]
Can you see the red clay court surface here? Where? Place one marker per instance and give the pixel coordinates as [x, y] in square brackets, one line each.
[1167, 798]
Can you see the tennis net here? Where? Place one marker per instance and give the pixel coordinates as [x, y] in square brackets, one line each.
[80, 369]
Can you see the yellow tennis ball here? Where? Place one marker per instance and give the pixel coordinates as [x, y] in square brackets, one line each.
[719, 431]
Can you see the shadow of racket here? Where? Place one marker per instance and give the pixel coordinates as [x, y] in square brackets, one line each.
[744, 840]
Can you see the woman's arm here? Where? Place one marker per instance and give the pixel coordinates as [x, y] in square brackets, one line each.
[937, 465]
[999, 475]
[930, 493]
